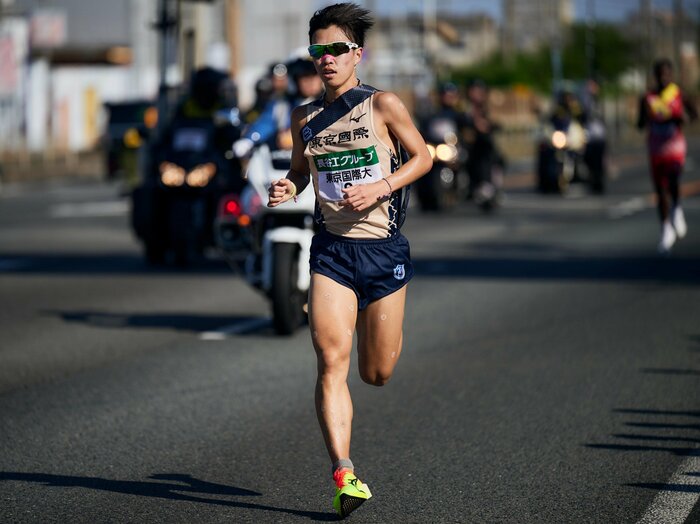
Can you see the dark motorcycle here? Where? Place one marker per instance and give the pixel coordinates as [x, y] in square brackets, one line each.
[560, 155]
[572, 144]
[175, 206]
[441, 188]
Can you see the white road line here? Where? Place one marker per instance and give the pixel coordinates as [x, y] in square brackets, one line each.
[674, 504]
[629, 207]
[90, 209]
[239, 328]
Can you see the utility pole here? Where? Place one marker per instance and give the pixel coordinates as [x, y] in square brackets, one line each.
[678, 40]
[166, 26]
[557, 72]
[234, 36]
[507, 29]
[429, 32]
[591, 24]
[645, 9]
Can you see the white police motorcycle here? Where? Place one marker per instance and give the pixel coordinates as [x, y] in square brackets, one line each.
[270, 247]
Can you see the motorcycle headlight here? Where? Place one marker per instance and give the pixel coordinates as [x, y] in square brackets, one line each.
[431, 150]
[446, 152]
[201, 175]
[559, 139]
[171, 174]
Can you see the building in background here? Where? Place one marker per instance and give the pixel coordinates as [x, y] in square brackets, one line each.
[666, 33]
[529, 24]
[63, 60]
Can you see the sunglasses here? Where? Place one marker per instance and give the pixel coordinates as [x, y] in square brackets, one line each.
[333, 49]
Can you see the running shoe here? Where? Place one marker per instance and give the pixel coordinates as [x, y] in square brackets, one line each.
[350, 492]
[668, 238]
[679, 222]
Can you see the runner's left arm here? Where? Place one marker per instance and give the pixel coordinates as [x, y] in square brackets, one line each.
[390, 111]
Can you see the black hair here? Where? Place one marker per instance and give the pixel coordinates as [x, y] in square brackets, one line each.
[660, 64]
[352, 19]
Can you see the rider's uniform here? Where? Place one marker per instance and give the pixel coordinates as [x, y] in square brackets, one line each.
[667, 145]
[364, 251]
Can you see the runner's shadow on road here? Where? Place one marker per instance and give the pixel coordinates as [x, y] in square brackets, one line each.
[88, 264]
[669, 427]
[681, 271]
[180, 487]
[170, 321]
[544, 260]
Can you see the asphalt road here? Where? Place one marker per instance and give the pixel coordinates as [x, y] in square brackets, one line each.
[550, 372]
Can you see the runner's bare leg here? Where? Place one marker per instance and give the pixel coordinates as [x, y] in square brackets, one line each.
[380, 337]
[332, 318]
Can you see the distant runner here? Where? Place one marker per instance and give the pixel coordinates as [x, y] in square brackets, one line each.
[662, 111]
[360, 261]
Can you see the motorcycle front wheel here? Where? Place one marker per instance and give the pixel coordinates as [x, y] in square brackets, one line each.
[287, 299]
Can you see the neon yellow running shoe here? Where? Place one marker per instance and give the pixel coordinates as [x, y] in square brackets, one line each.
[350, 492]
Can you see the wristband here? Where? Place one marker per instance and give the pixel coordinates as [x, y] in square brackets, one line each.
[391, 190]
[294, 190]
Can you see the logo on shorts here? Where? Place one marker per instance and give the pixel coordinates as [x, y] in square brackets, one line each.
[399, 272]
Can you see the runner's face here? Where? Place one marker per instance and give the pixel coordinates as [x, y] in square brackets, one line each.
[335, 71]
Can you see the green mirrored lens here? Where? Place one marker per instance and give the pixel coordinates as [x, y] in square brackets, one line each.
[316, 50]
[334, 49]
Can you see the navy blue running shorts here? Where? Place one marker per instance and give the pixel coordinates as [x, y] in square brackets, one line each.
[372, 268]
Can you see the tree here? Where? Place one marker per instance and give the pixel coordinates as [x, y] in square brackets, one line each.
[612, 55]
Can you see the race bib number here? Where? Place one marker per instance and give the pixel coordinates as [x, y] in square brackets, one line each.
[338, 171]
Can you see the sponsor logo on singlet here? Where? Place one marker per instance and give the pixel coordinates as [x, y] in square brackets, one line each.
[338, 171]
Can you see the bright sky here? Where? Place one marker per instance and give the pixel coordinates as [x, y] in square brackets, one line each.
[603, 9]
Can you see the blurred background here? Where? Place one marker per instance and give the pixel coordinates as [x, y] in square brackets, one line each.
[551, 362]
[63, 62]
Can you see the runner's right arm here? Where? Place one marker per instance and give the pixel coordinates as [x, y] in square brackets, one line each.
[299, 173]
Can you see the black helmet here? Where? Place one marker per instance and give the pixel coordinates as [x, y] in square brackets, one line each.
[447, 87]
[477, 82]
[207, 86]
[301, 67]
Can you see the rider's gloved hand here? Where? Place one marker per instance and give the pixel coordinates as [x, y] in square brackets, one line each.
[242, 147]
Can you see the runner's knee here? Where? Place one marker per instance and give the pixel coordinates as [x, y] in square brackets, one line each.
[332, 357]
[375, 376]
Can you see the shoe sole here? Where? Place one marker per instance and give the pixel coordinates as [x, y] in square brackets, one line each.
[348, 504]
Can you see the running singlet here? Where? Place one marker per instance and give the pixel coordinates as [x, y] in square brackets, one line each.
[666, 140]
[347, 153]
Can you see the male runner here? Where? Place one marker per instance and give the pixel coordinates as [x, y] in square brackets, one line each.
[662, 111]
[360, 262]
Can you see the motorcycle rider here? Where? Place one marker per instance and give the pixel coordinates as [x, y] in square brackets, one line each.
[432, 126]
[478, 136]
[662, 110]
[275, 118]
[596, 142]
[209, 91]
